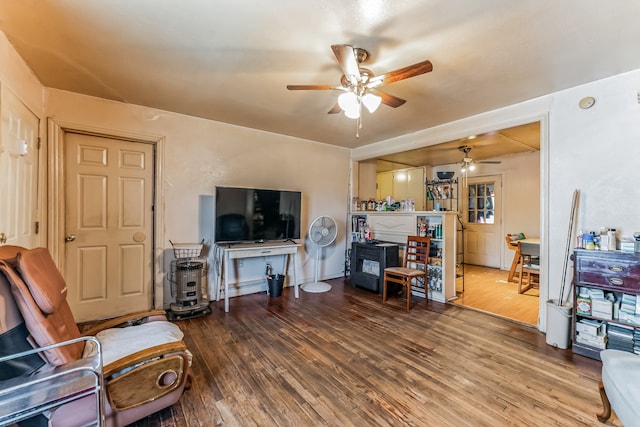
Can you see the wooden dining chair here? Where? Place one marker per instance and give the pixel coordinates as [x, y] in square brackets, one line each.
[512, 243]
[530, 265]
[414, 268]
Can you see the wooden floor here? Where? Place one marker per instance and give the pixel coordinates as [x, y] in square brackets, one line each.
[342, 358]
[487, 289]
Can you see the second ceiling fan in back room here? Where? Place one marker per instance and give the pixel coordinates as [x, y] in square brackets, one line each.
[360, 85]
[468, 164]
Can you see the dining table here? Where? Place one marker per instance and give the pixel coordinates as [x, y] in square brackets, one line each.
[517, 255]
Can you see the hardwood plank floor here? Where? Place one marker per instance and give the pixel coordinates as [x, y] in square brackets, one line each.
[342, 358]
[487, 289]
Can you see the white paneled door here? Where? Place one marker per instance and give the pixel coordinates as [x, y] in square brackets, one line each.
[481, 216]
[18, 172]
[108, 225]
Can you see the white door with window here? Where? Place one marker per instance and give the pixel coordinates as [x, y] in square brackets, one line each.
[18, 172]
[482, 219]
[108, 225]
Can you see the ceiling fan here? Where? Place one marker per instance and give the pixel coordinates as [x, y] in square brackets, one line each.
[360, 85]
[468, 164]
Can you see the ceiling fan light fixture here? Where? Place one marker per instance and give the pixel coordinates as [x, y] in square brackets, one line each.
[353, 113]
[371, 101]
[350, 104]
[472, 167]
[348, 101]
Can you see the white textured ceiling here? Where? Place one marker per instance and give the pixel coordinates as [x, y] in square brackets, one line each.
[230, 60]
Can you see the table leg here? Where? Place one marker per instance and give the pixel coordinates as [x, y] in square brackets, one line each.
[218, 284]
[296, 290]
[225, 268]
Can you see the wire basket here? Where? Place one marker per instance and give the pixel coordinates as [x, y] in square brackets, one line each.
[186, 250]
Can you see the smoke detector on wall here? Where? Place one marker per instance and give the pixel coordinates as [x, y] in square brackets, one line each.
[587, 102]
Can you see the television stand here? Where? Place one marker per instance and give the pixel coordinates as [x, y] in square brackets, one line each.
[254, 250]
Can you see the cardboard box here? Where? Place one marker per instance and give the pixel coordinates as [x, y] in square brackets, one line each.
[583, 306]
[627, 245]
[591, 327]
[600, 343]
[602, 306]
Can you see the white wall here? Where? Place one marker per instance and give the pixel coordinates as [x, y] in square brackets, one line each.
[17, 76]
[592, 150]
[200, 154]
[595, 151]
[520, 194]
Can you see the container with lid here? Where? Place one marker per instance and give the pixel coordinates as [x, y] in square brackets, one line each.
[588, 242]
[612, 239]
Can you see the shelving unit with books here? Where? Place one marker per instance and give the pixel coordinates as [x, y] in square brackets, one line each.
[394, 227]
[607, 302]
[431, 225]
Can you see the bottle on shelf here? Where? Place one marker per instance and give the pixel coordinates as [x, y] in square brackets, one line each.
[367, 233]
[579, 242]
[422, 232]
[604, 239]
[612, 239]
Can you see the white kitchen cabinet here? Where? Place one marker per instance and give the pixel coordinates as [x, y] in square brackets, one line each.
[402, 184]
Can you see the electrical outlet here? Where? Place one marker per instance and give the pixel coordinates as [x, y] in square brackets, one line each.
[240, 263]
[638, 95]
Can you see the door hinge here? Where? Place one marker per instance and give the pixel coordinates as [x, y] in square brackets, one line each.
[37, 227]
[39, 142]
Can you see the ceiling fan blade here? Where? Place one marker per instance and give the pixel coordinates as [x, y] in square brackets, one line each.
[313, 87]
[401, 74]
[335, 109]
[489, 162]
[390, 100]
[347, 59]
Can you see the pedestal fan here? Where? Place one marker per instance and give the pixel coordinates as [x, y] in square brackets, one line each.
[322, 232]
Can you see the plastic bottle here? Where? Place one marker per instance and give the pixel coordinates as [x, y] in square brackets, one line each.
[423, 229]
[604, 239]
[612, 239]
[367, 233]
[579, 243]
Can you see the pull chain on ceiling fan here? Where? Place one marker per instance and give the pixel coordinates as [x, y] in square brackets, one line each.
[359, 85]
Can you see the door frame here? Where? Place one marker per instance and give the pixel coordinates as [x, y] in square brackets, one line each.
[56, 131]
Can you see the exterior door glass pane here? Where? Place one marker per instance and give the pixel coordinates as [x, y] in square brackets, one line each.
[481, 203]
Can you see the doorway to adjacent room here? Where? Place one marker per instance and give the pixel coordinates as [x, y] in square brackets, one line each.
[508, 163]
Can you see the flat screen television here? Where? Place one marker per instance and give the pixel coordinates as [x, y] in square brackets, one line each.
[256, 215]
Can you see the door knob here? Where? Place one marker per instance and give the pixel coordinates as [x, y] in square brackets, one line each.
[70, 238]
[3, 238]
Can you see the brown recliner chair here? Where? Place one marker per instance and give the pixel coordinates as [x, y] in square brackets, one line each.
[146, 363]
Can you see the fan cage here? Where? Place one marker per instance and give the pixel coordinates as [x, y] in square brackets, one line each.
[318, 226]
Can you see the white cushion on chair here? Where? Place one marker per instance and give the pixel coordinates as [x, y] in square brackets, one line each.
[120, 342]
[621, 379]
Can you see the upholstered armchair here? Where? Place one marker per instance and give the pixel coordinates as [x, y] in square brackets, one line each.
[620, 386]
[146, 365]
